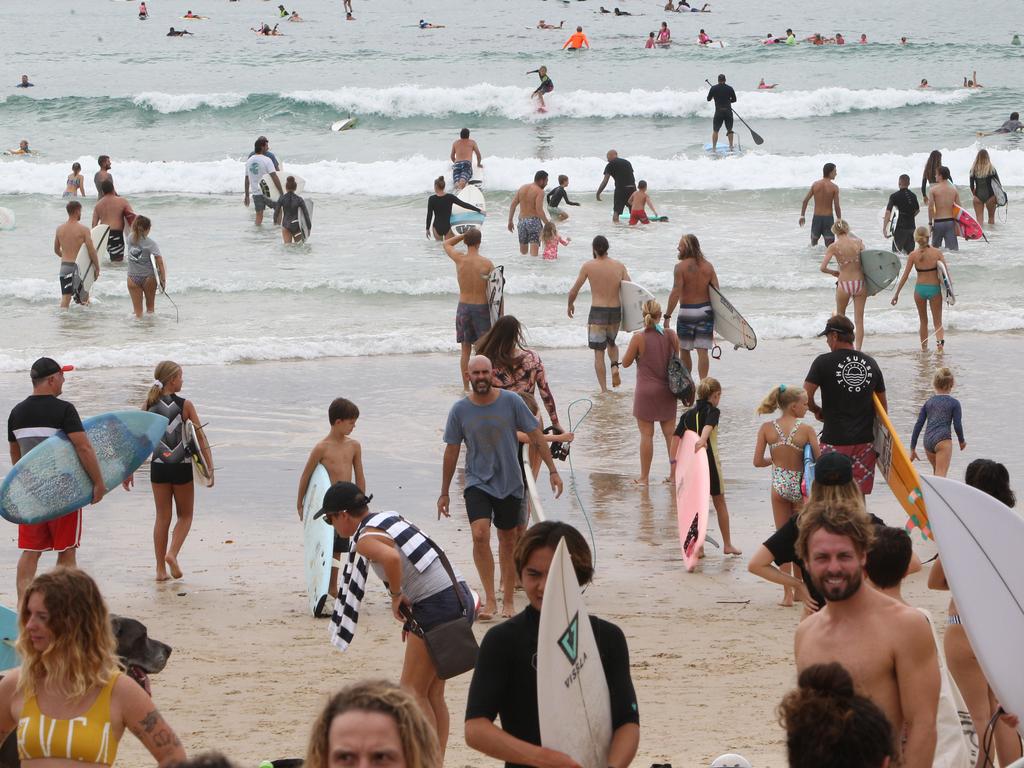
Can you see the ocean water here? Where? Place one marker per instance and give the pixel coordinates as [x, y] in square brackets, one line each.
[177, 115]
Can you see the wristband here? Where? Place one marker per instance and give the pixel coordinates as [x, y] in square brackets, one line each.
[671, 461]
[395, 594]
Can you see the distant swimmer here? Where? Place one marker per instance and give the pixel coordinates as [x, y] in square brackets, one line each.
[924, 83]
[1015, 40]
[577, 41]
[67, 242]
[25, 83]
[703, 39]
[650, 41]
[557, 196]
[281, 10]
[664, 35]
[771, 40]
[622, 13]
[178, 32]
[863, 39]
[973, 82]
[603, 10]
[826, 197]
[116, 213]
[724, 97]
[544, 25]
[21, 150]
[190, 15]
[295, 17]
[790, 37]
[143, 11]
[903, 41]
[706, 8]
[75, 184]
[428, 25]
[763, 86]
[1010, 126]
[546, 86]
[840, 40]
[463, 151]
[669, 6]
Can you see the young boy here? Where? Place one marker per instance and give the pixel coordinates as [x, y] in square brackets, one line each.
[342, 457]
[556, 196]
[637, 203]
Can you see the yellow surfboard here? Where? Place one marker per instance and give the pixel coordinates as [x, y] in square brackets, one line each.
[895, 465]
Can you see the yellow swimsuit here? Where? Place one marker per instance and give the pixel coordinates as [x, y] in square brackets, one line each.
[87, 738]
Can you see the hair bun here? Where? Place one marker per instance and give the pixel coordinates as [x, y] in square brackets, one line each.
[828, 680]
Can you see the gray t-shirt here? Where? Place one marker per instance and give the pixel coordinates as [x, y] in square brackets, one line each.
[492, 450]
[139, 263]
[1010, 126]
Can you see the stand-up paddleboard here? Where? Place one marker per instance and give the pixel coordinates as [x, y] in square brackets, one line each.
[729, 324]
[626, 217]
[269, 191]
[346, 124]
[880, 269]
[969, 227]
[573, 702]
[998, 192]
[463, 219]
[714, 44]
[496, 293]
[318, 541]
[306, 222]
[49, 481]
[895, 466]
[8, 637]
[536, 509]
[980, 541]
[693, 495]
[7, 219]
[632, 298]
[86, 270]
[947, 284]
[195, 451]
[722, 148]
[808, 479]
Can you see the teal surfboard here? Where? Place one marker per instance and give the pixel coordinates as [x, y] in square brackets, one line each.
[625, 217]
[50, 481]
[8, 637]
[880, 269]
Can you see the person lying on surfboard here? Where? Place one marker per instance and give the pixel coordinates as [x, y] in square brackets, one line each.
[544, 25]
[763, 86]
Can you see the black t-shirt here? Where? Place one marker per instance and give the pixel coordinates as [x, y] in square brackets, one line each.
[505, 679]
[905, 202]
[37, 417]
[702, 414]
[621, 170]
[847, 379]
[724, 97]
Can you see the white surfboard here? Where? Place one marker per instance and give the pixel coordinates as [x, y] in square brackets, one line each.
[495, 292]
[536, 510]
[947, 284]
[306, 223]
[729, 324]
[195, 451]
[267, 188]
[463, 219]
[346, 124]
[86, 270]
[318, 541]
[573, 702]
[632, 298]
[980, 542]
[7, 219]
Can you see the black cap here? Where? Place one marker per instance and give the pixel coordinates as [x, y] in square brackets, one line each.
[838, 324]
[833, 468]
[47, 366]
[341, 497]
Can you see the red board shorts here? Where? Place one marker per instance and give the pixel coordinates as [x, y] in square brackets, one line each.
[638, 216]
[863, 457]
[54, 535]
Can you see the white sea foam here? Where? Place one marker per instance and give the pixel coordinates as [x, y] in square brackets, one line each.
[169, 103]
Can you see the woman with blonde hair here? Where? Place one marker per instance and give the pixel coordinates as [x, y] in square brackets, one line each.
[651, 349]
[983, 173]
[369, 722]
[69, 700]
[850, 285]
[142, 277]
[171, 466]
[928, 290]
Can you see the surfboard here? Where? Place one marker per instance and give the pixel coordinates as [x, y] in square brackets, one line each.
[880, 269]
[894, 464]
[495, 292]
[573, 702]
[998, 192]
[808, 479]
[7, 219]
[893, 218]
[632, 298]
[729, 324]
[85, 267]
[980, 541]
[693, 495]
[306, 222]
[625, 217]
[536, 510]
[463, 219]
[346, 124]
[318, 541]
[195, 451]
[268, 190]
[49, 481]
[947, 284]
[969, 226]
[8, 637]
[722, 148]
[715, 44]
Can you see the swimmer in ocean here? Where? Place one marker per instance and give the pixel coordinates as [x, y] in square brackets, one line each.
[1010, 126]
[21, 150]
[924, 83]
[544, 25]
[546, 86]
[428, 25]
[622, 13]
[973, 82]
[577, 41]
[763, 86]
[178, 32]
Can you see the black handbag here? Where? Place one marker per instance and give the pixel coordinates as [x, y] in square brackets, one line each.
[452, 645]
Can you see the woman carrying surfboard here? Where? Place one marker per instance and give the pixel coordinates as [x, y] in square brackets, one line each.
[846, 251]
[926, 260]
[983, 174]
[143, 253]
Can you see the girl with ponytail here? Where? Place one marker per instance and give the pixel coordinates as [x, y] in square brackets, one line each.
[142, 277]
[925, 260]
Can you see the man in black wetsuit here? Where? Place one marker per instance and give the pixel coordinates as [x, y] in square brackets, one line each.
[620, 169]
[907, 206]
[724, 97]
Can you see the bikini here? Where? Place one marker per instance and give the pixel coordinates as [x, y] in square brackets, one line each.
[926, 290]
[87, 738]
[786, 482]
[852, 287]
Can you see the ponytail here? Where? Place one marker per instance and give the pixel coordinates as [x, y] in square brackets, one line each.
[652, 313]
[921, 237]
[140, 228]
[165, 371]
[780, 398]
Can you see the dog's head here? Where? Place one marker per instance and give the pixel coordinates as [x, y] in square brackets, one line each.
[140, 654]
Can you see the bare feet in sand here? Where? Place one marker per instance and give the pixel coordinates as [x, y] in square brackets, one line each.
[787, 599]
[162, 576]
[731, 550]
[486, 612]
[616, 379]
[640, 480]
[172, 563]
[508, 609]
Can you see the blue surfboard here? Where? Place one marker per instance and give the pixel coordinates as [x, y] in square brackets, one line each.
[49, 481]
[8, 637]
[808, 478]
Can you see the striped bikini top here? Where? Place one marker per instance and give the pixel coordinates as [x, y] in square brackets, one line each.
[87, 738]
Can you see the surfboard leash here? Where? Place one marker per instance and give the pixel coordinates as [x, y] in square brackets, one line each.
[572, 473]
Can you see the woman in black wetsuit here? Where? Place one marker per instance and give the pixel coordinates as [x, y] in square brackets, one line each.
[439, 208]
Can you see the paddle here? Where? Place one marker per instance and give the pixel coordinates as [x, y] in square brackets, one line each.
[753, 134]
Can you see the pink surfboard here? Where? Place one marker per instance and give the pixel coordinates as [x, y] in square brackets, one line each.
[970, 228]
[693, 495]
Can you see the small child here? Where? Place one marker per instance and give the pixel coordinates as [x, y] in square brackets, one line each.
[939, 411]
[551, 239]
[546, 86]
[638, 202]
[557, 196]
[342, 457]
[75, 182]
[650, 40]
[705, 415]
[788, 431]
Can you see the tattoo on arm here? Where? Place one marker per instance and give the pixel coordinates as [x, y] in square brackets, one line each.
[149, 722]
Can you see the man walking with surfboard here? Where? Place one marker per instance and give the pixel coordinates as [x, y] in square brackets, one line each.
[116, 213]
[691, 280]
[473, 314]
[68, 241]
[463, 151]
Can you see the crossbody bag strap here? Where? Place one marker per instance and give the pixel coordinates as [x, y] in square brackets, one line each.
[451, 575]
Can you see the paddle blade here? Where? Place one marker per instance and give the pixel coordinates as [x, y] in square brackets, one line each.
[756, 137]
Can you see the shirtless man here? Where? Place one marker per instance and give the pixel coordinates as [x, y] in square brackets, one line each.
[942, 196]
[826, 196]
[463, 150]
[103, 174]
[695, 325]
[473, 315]
[67, 242]
[605, 275]
[886, 646]
[113, 211]
[529, 198]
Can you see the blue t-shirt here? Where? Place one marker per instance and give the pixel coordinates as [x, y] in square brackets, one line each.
[492, 449]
